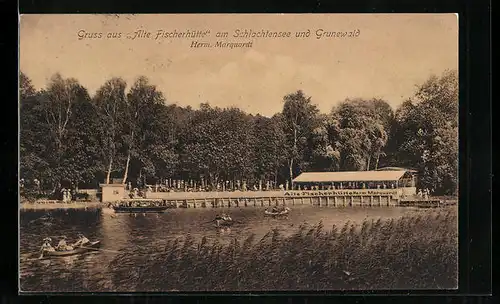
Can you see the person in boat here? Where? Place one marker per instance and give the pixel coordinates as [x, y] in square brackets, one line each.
[82, 241]
[222, 218]
[275, 209]
[62, 245]
[46, 246]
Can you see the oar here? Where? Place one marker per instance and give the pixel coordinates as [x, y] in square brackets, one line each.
[97, 249]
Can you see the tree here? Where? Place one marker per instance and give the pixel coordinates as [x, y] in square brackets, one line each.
[151, 145]
[427, 133]
[33, 142]
[218, 144]
[360, 130]
[57, 104]
[325, 154]
[110, 104]
[268, 146]
[26, 88]
[299, 121]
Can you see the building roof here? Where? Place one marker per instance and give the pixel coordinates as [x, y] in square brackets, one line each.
[395, 169]
[350, 176]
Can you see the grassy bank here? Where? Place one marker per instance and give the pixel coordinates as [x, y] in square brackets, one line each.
[411, 252]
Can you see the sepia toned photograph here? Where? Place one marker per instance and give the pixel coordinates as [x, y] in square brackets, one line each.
[238, 152]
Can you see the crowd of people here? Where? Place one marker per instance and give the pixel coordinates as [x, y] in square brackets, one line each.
[191, 186]
[202, 186]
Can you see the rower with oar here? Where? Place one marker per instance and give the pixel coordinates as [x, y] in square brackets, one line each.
[82, 241]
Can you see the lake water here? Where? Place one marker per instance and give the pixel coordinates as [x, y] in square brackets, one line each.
[132, 233]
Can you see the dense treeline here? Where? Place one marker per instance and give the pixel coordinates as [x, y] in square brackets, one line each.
[70, 137]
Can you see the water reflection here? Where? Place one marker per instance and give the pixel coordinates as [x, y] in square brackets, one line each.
[144, 233]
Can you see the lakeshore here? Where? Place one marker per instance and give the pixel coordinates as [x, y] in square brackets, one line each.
[58, 205]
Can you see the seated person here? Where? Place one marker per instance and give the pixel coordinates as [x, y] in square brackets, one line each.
[82, 240]
[63, 246]
[46, 246]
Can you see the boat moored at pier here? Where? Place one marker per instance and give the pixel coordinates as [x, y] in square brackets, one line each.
[139, 206]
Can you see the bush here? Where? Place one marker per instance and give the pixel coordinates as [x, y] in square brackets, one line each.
[408, 253]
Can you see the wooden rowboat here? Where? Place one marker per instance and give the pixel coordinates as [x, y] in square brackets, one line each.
[281, 213]
[78, 250]
[223, 223]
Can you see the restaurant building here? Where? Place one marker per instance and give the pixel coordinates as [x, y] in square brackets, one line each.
[386, 186]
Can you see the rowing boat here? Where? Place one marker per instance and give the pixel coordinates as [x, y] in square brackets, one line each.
[90, 247]
[280, 213]
[225, 223]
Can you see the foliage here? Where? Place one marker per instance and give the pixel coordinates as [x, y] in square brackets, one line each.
[360, 129]
[413, 252]
[299, 120]
[427, 133]
[68, 138]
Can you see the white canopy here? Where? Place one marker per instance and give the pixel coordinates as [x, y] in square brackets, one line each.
[349, 176]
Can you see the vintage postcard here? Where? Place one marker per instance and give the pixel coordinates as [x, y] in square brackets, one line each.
[238, 152]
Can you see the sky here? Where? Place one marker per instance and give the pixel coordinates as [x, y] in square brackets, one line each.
[388, 57]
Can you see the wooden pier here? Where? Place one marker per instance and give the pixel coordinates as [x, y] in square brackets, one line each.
[339, 198]
[241, 202]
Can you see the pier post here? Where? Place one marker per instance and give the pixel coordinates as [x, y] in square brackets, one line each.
[335, 201]
[380, 200]
[371, 200]
[302, 201]
[352, 200]
[361, 200]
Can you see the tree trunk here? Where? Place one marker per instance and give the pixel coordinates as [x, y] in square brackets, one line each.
[125, 175]
[291, 172]
[275, 178]
[109, 170]
[376, 162]
[368, 163]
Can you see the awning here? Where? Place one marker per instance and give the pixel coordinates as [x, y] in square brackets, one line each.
[349, 176]
[395, 169]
